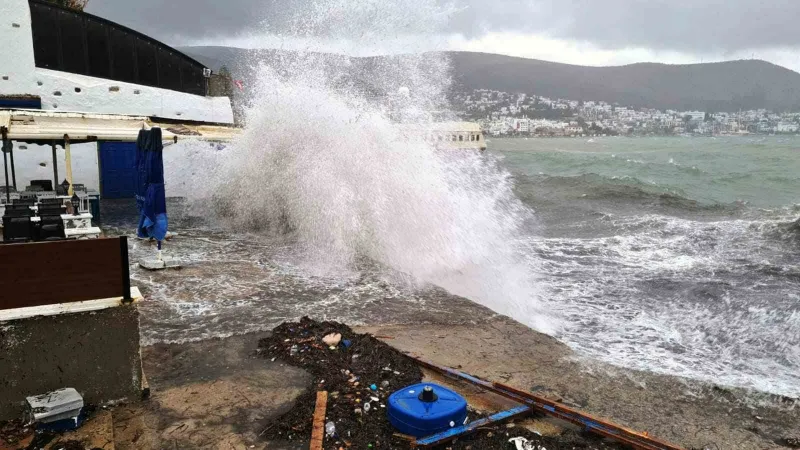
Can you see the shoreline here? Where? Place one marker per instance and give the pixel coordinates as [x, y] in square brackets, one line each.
[221, 384]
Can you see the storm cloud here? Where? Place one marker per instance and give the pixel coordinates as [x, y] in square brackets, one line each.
[697, 26]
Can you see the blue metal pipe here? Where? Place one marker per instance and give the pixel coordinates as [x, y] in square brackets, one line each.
[471, 427]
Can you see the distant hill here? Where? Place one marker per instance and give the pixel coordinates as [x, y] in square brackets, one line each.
[723, 86]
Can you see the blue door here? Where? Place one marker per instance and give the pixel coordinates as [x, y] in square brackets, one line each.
[118, 169]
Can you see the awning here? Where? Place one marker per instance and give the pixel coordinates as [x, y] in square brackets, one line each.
[33, 126]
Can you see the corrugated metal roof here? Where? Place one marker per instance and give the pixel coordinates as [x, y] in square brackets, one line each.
[30, 125]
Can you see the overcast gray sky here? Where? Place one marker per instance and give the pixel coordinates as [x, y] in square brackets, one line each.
[595, 32]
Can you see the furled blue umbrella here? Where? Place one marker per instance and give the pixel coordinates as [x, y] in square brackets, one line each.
[150, 196]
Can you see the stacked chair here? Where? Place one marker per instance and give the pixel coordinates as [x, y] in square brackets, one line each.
[51, 227]
[18, 225]
[43, 185]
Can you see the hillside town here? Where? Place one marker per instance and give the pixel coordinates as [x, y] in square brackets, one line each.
[518, 114]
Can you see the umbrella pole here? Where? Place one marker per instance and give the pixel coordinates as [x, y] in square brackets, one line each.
[69, 165]
[159, 251]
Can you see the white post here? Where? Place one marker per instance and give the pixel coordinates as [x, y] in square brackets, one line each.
[69, 166]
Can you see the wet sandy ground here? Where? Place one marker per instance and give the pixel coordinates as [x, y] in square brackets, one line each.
[217, 394]
[235, 283]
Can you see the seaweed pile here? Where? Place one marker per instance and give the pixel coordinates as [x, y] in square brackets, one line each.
[359, 373]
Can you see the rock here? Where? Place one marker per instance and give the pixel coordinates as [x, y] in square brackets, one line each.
[332, 339]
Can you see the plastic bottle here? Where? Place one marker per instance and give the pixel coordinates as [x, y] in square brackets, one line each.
[330, 429]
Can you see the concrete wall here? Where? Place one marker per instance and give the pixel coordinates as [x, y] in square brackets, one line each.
[57, 90]
[96, 353]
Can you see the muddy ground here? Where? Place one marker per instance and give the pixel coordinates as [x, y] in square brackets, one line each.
[220, 394]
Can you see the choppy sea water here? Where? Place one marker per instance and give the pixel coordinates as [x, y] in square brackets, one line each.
[674, 255]
[678, 256]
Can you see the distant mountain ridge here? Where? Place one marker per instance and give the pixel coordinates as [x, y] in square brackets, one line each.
[723, 86]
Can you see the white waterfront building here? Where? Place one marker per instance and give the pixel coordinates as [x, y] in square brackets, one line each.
[89, 64]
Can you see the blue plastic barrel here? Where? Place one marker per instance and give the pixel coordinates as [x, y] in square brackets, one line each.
[426, 408]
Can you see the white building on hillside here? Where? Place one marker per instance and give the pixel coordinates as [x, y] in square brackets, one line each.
[695, 116]
[786, 127]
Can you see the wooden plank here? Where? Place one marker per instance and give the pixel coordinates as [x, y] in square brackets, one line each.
[318, 430]
[46, 273]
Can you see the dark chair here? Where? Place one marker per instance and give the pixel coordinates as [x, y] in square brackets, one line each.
[51, 228]
[18, 211]
[51, 201]
[17, 229]
[24, 201]
[46, 185]
[51, 210]
[33, 188]
[27, 194]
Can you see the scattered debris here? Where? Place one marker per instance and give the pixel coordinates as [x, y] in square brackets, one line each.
[330, 429]
[15, 435]
[349, 379]
[790, 441]
[523, 444]
[332, 339]
[57, 411]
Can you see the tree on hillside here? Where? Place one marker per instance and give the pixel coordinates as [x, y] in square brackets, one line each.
[707, 118]
[687, 118]
[77, 5]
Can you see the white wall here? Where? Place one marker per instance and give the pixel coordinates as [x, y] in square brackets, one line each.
[19, 76]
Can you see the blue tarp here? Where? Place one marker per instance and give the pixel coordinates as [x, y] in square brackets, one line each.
[150, 196]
